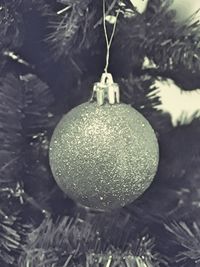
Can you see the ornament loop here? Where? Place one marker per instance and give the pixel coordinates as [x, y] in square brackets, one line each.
[106, 78]
[108, 42]
[106, 90]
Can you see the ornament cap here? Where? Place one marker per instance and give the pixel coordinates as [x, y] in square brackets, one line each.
[106, 90]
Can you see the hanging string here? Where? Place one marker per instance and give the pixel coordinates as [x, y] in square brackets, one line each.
[108, 42]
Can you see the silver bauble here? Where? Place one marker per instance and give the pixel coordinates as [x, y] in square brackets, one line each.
[103, 157]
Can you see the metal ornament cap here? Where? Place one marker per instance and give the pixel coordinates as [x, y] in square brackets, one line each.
[106, 90]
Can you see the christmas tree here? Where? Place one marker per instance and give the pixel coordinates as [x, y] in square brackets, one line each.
[52, 52]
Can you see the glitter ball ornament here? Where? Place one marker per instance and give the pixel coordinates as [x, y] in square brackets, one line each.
[104, 154]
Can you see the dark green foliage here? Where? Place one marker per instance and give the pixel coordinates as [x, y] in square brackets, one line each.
[11, 27]
[10, 239]
[11, 138]
[74, 242]
[38, 99]
[64, 47]
[18, 97]
[155, 34]
[188, 237]
[36, 123]
[69, 31]
[171, 44]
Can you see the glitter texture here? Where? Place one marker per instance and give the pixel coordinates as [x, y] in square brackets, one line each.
[103, 157]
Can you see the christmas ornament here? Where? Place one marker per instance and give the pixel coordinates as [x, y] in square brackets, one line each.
[185, 9]
[104, 154]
